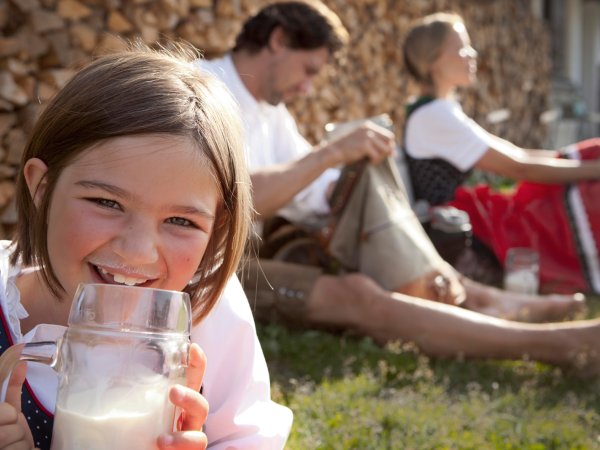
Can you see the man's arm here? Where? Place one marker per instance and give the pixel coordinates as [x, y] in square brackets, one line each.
[275, 186]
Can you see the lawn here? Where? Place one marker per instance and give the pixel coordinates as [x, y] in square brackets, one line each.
[349, 393]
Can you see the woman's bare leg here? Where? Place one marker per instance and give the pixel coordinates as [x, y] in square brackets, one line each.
[522, 307]
[356, 302]
[492, 301]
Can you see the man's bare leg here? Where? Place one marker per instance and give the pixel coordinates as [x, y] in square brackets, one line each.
[356, 302]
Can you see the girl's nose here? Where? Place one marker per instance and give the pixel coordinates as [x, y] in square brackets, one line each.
[137, 244]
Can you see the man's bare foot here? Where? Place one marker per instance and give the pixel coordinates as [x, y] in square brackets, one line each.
[521, 307]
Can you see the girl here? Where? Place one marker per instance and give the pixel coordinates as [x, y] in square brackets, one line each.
[443, 145]
[134, 174]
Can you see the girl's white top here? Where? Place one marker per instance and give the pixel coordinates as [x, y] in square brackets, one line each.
[236, 382]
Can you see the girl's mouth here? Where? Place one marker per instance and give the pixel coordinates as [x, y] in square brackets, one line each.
[109, 277]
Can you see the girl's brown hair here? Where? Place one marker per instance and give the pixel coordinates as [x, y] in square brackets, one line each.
[143, 91]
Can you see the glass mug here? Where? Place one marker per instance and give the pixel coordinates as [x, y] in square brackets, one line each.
[122, 350]
[521, 270]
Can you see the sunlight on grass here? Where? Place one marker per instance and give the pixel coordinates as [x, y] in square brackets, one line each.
[348, 393]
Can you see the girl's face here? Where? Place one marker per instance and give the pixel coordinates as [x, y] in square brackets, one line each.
[457, 64]
[132, 210]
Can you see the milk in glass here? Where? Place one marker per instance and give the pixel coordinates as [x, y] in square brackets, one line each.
[129, 419]
[524, 281]
[123, 349]
[521, 272]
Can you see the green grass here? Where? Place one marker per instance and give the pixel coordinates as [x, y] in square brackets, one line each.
[349, 393]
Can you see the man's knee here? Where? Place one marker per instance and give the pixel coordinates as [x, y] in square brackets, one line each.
[353, 290]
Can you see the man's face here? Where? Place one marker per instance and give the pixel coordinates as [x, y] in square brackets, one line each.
[291, 74]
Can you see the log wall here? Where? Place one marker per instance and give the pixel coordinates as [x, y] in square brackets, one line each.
[42, 42]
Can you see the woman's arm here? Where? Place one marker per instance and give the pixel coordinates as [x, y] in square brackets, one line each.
[530, 151]
[541, 166]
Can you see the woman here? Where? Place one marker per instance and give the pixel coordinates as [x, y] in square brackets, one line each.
[443, 145]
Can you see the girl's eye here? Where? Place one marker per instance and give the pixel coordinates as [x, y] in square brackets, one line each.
[182, 222]
[106, 203]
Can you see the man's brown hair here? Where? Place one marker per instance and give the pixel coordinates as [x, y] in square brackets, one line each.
[307, 25]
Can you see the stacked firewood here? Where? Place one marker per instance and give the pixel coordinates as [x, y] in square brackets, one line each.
[43, 42]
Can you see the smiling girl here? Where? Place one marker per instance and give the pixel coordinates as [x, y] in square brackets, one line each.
[134, 175]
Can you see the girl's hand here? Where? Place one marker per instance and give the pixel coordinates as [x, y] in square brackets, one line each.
[193, 405]
[14, 431]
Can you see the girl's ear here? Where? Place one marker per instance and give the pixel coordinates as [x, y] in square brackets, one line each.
[35, 176]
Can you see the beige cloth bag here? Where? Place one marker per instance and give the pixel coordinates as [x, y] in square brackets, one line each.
[377, 233]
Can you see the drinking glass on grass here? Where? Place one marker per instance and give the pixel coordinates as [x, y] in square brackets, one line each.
[521, 270]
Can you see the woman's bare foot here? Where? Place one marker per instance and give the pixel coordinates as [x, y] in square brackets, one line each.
[521, 307]
[583, 355]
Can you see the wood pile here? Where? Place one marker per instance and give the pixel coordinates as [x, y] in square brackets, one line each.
[43, 42]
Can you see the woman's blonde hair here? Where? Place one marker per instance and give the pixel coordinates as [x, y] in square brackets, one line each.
[423, 44]
[134, 92]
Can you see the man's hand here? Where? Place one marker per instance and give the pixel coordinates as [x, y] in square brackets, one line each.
[368, 140]
[14, 431]
[193, 405]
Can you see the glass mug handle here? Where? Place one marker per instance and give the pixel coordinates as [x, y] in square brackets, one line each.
[44, 352]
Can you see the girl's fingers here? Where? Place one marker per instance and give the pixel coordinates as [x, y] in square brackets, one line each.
[184, 440]
[14, 433]
[13, 437]
[193, 405]
[188, 399]
[8, 414]
[196, 367]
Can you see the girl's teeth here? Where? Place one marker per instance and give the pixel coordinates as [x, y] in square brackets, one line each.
[118, 278]
[126, 280]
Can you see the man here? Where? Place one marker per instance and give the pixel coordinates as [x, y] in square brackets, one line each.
[276, 56]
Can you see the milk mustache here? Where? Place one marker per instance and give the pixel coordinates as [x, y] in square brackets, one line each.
[127, 420]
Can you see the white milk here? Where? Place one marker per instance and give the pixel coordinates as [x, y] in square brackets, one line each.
[523, 281]
[126, 421]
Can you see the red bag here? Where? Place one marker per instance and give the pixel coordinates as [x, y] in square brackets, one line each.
[562, 222]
